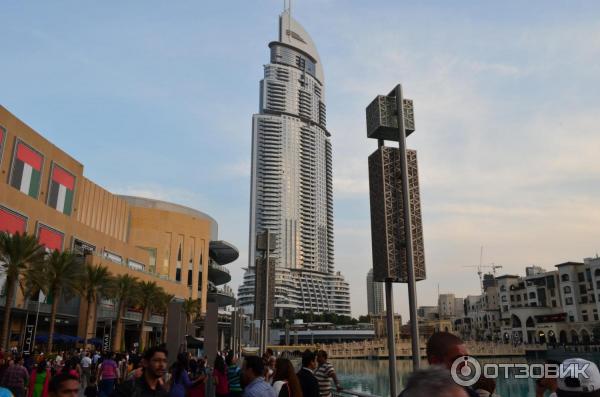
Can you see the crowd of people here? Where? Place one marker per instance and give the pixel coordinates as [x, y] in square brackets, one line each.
[92, 374]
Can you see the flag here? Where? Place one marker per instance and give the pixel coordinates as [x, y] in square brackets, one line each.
[27, 169]
[11, 222]
[62, 186]
[50, 238]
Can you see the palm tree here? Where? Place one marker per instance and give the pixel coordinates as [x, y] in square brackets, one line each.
[191, 308]
[18, 252]
[124, 291]
[59, 276]
[165, 300]
[149, 293]
[97, 282]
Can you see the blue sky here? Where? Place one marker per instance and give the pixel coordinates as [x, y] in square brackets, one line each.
[155, 98]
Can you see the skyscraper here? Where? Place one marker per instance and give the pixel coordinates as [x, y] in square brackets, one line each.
[374, 295]
[291, 184]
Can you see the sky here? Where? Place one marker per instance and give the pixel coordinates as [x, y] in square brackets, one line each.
[155, 98]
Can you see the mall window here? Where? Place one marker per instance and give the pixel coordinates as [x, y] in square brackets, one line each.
[582, 289]
[552, 292]
[179, 258]
[113, 257]
[569, 300]
[564, 277]
[81, 248]
[567, 289]
[191, 262]
[532, 295]
[580, 277]
[135, 265]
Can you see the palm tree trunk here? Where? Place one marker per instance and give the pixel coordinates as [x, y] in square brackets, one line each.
[87, 322]
[55, 300]
[10, 297]
[164, 327]
[118, 342]
[141, 337]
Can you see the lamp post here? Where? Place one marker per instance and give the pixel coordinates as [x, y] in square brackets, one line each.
[410, 270]
[396, 231]
[264, 244]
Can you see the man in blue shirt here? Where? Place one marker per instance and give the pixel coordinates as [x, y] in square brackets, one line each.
[252, 376]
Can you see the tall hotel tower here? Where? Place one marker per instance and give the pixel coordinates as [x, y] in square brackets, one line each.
[291, 185]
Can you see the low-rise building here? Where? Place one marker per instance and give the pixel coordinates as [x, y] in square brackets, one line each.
[43, 192]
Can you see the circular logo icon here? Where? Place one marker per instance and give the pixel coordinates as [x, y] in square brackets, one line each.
[465, 370]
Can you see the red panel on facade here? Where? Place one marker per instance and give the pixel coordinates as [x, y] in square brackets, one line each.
[62, 177]
[50, 238]
[29, 156]
[11, 222]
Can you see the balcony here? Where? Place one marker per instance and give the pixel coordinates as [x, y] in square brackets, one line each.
[223, 252]
[218, 274]
[221, 296]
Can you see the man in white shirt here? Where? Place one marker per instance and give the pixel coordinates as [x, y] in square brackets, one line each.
[86, 369]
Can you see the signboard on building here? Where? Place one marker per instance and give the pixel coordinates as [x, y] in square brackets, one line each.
[106, 338]
[28, 339]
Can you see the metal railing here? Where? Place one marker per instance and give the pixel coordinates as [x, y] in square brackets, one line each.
[218, 267]
[346, 393]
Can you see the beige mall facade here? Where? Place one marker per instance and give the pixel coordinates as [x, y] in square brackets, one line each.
[43, 191]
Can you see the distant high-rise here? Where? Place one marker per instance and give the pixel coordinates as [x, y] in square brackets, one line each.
[291, 183]
[374, 295]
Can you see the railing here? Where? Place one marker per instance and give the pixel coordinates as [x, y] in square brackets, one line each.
[345, 393]
[218, 267]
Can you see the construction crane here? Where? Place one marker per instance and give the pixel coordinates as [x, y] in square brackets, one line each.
[482, 266]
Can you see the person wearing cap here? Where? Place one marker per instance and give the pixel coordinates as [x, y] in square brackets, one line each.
[585, 381]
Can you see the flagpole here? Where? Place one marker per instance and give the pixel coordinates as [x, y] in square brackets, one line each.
[37, 315]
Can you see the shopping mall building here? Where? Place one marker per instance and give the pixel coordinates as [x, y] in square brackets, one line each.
[43, 191]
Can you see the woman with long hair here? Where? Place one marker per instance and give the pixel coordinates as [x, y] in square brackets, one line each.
[220, 377]
[180, 379]
[285, 381]
[38, 382]
[199, 375]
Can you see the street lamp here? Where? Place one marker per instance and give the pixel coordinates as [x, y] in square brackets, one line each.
[396, 230]
[264, 285]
